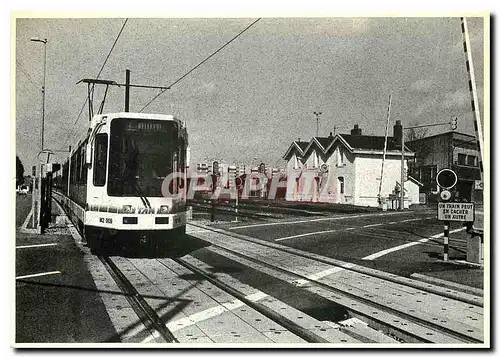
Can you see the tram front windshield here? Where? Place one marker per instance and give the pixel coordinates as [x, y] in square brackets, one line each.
[142, 153]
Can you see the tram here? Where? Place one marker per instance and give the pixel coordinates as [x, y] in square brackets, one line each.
[124, 184]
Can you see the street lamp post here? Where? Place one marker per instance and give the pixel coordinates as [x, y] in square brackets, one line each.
[317, 121]
[37, 199]
[44, 41]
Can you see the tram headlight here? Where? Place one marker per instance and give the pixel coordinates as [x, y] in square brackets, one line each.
[127, 209]
[163, 209]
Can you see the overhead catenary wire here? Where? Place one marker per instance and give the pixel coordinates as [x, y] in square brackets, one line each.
[100, 71]
[199, 64]
[27, 74]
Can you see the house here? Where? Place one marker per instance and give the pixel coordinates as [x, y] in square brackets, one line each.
[412, 190]
[345, 168]
[452, 150]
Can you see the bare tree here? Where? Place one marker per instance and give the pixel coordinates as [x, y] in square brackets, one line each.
[415, 133]
[414, 139]
[19, 171]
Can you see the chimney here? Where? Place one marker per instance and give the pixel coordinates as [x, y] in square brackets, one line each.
[356, 130]
[398, 133]
[299, 139]
[331, 135]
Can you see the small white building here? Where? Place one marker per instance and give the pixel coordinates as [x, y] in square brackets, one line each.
[345, 168]
[412, 190]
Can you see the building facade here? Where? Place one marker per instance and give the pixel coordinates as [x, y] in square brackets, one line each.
[345, 168]
[452, 150]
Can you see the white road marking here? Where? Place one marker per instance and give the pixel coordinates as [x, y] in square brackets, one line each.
[417, 219]
[254, 297]
[306, 234]
[151, 337]
[334, 230]
[39, 274]
[32, 246]
[404, 246]
[196, 231]
[319, 275]
[213, 311]
[311, 220]
[26, 221]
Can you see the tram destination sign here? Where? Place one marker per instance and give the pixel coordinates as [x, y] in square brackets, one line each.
[456, 211]
[147, 126]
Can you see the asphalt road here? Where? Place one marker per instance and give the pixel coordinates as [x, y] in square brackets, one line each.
[61, 305]
[65, 306]
[387, 241]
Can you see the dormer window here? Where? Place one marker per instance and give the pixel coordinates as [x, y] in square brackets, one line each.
[340, 157]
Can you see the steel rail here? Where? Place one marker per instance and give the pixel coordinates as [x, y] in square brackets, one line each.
[394, 311]
[290, 325]
[341, 264]
[148, 316]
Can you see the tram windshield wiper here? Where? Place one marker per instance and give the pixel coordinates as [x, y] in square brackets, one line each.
[144, 199]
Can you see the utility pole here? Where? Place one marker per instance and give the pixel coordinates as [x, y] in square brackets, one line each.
[127, 90]
[402, 167]
[317, 121]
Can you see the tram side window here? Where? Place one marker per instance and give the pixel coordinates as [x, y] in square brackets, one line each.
[100, 159]
[78, 161]
[84, 168]
[73, 169]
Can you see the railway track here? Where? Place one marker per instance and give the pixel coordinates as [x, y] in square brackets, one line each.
[200, 306]
[144, 311]
[187, 300]
[411, 310]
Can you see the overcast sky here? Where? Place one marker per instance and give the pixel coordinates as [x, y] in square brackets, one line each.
[256, 95]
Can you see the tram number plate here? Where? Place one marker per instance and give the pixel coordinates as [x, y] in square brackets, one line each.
[106, 220]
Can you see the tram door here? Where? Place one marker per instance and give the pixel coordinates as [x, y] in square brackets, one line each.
[98, 171]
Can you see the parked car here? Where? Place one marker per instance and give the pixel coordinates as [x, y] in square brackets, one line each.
[23, 189]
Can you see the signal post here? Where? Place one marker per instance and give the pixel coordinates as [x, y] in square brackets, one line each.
[449, 210]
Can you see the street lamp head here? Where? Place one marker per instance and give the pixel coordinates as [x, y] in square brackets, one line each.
[36, 39]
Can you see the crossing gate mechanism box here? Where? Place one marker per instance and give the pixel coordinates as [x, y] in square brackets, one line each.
[456, 211]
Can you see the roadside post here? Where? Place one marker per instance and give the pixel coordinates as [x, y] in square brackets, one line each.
[238, 184]
[212, 199]
[33, 195]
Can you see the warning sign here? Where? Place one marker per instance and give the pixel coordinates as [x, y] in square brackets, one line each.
[456, 211]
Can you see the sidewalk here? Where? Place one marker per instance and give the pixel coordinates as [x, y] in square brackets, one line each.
[56, 298]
